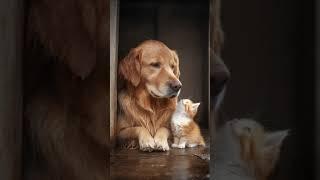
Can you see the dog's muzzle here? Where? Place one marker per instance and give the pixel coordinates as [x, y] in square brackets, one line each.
[174, 88]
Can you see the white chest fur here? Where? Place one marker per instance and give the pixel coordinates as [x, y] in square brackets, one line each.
[178, 122]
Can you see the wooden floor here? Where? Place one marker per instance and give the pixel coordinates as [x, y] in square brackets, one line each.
[175, 164]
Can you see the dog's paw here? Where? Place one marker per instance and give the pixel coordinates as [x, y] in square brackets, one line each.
[147, 143]
[161, 143]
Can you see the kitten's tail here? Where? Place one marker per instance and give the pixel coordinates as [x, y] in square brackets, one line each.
[202, 143]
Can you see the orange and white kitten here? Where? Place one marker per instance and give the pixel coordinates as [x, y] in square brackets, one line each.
[245, 151]
[184, 130]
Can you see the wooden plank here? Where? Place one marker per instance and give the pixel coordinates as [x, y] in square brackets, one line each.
[185, 163]
[211, 117]
[114, 7]
[11, 30]
[215, 41]
[317, 90]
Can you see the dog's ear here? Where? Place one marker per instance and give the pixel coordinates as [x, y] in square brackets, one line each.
[271, 150]
[130, 67]
[176, 70]
[69, 36]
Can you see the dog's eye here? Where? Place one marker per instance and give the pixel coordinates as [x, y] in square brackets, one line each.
[155, 64]
[172, 66]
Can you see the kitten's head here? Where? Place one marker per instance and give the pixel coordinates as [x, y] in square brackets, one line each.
[187, 106]
[259, 149]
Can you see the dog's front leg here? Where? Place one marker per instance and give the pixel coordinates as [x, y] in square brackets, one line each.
[68, 152]
[161, 139]
[146, 141]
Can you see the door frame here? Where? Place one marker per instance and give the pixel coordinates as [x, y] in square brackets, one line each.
[114, 28]
[11, 50]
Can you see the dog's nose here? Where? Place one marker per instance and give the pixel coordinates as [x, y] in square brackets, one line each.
[175, 85]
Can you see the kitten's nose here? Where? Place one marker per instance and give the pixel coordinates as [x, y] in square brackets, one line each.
[175, 85]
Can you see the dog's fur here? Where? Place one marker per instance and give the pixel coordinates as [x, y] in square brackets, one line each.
[244, 151]
[145, 103]
[66, 94]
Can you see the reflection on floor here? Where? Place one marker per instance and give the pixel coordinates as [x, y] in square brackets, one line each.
[174, 164]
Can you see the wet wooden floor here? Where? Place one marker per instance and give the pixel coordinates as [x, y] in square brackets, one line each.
[176, 164]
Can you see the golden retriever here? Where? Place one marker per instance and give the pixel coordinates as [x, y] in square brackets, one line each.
[151, 74]
[66, 93]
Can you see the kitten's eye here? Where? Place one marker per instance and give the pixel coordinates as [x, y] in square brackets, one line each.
[155, 64]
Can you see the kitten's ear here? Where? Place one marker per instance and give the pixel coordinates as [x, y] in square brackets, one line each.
[195, 107]
[275, 138]
[271, 150]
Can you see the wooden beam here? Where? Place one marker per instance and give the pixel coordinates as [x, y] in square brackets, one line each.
[317, 90]
[212, 127]
[114, 7]
[215, 43]
[11, 31]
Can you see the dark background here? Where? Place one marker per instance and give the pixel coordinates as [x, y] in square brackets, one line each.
[182, 26]
[269, 49]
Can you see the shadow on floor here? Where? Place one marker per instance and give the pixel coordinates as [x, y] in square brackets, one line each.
[176, 164]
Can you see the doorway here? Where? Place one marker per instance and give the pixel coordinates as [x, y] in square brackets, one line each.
[184, 27]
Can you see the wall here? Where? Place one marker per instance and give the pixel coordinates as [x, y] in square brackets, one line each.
[183, 27]
[268, 48]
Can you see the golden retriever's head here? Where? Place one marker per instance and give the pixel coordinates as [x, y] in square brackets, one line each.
[153, 65]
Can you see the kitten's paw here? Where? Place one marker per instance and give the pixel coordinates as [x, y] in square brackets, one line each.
[146, 143]
[174, 145]
[161, 143]
[181, 146]
[192, 145]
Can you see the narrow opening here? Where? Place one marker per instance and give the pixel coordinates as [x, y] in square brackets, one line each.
[183, 27]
